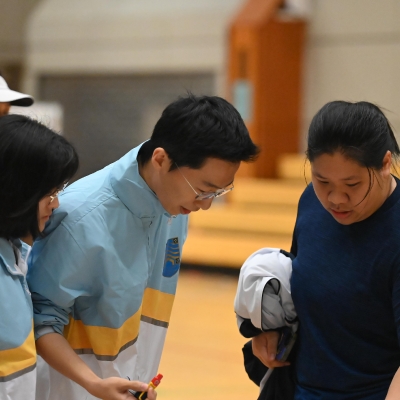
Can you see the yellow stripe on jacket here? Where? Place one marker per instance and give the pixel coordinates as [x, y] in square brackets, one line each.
[157, 305]
[108, 342]
[19, 358]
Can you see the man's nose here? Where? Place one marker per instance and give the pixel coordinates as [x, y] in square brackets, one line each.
[205, 204]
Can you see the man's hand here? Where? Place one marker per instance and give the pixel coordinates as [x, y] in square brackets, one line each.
[55, 349]
[117, 389]
[264, 348]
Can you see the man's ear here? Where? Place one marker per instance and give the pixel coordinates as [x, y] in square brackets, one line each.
[160, 160]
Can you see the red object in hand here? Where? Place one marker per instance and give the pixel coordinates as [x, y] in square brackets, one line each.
[153, 383]
[156, 380]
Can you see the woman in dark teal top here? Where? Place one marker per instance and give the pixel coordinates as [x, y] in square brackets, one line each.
[346, 290]
[346, 274]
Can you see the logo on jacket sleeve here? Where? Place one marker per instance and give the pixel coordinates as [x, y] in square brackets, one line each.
[172, 260]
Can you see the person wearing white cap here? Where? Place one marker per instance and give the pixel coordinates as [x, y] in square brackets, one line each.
[10, 97]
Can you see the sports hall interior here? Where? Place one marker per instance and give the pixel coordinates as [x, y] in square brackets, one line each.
[102, 71]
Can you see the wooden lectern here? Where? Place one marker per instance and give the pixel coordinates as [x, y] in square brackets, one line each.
[264, 78]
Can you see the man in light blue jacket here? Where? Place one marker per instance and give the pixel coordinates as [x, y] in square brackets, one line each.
[103, 279]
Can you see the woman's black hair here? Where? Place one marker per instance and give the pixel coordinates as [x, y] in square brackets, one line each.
[34, 161]
[194, 128]
[360, 131]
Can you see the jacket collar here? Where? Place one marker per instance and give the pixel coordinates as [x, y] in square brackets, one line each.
[131, 188]
[7, 256]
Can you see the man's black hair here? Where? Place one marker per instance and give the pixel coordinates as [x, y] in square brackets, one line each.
[192, 129]
[34, 161]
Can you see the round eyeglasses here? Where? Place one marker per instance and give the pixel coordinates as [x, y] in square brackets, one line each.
[207, 195]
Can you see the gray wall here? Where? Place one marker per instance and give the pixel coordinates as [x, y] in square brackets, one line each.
[114, 66]
[128, 36]
[353, 53]
[13, 23]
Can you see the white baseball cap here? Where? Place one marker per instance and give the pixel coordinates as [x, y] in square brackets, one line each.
[11, 96]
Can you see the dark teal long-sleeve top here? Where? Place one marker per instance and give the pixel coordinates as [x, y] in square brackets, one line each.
[346, 290]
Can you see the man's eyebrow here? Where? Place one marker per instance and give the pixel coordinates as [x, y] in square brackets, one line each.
[206, 183]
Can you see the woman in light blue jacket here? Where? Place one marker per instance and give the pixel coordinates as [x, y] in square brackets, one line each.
[35, 165]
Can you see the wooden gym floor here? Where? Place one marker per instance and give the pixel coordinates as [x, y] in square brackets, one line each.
[202, 356]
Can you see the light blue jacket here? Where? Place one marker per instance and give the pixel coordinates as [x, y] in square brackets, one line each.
[17, 345]
[107, 271]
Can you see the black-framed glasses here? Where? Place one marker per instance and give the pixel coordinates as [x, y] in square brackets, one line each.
[207, 195]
